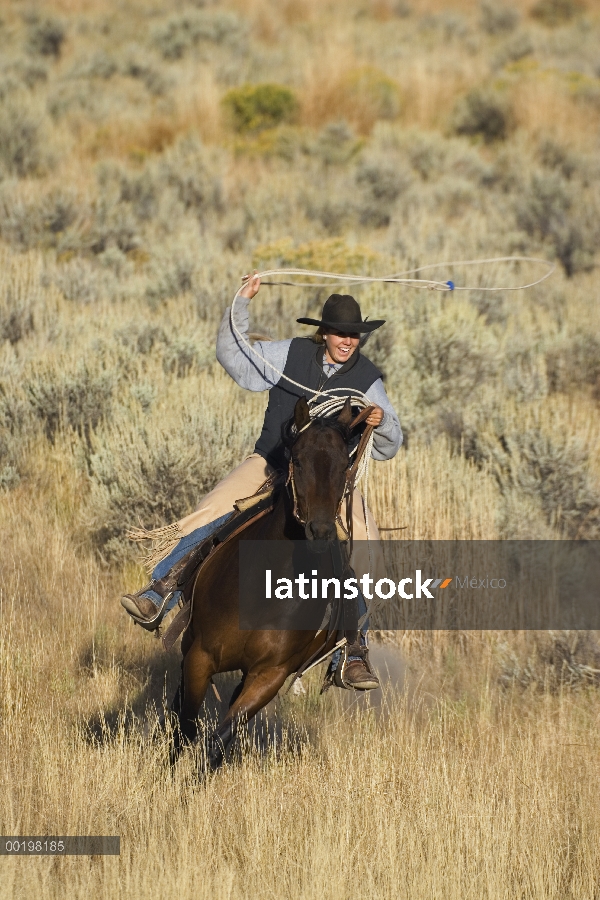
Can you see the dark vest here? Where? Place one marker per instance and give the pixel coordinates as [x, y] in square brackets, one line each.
[304, 364]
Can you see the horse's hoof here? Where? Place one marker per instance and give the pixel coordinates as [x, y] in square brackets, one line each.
[215, 755]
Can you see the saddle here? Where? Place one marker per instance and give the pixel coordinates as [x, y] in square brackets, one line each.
[247, 511]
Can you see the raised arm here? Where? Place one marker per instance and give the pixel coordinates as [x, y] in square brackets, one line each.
[247, 369]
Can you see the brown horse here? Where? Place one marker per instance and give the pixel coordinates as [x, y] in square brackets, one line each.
[213, 641]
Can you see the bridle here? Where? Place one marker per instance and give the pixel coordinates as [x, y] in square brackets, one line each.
[344, 530]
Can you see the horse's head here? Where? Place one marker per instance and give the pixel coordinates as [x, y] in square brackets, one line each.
[318, 468]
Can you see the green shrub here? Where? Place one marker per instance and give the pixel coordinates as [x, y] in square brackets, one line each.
[556, 12]
[15, 425]
[78, 281]
[150, 475]
[498, 19]
[10, 457]
[183, 32]
[574, 362]
[9, 475]
[27, 220]
[334, 215]
[370, 88]
[170, 280]
[141, 338]
[517, 47]
[556, 157]
[382, 178]
[114, 225]
[449, 23]
[100, 65]
[21, 301]
[142, 66]
[46, 37]
[80, 399]
[563, 214]
[547, 476]
[174, 38]
[482, 113]
[382, 181]
[16, 320]
[21, 139]
[141, 191]
[453, 353]
[336, 143]
[253, 107]
[187, 171]
[21, 73]
[556, 475]
[181, 356]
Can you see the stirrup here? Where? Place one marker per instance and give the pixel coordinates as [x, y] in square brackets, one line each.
[153, 623]
[334, 677]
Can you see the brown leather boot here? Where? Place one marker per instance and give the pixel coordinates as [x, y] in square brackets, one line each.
[138, 606]
[359, 676]
[355, 670]
[142, 610]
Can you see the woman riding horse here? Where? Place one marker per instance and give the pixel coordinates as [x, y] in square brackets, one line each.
[331, 359]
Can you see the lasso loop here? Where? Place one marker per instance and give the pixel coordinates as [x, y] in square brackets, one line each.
[401, 277]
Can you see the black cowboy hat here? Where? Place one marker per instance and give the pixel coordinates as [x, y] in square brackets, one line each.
[342, 313]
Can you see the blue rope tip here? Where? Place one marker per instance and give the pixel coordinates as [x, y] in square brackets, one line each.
[450, 285]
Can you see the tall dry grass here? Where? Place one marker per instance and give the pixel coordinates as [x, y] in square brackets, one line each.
[489, 793]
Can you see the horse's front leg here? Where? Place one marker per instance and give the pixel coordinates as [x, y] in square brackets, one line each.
[173, 718]
[197, 670]
[258, 689]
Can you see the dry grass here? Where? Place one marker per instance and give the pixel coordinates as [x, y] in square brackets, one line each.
[433, 792]
[458, 503]
[196, 110]
[544, 105]
[128, 211]
[429, 93]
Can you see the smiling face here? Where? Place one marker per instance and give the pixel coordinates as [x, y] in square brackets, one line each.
[339, 346]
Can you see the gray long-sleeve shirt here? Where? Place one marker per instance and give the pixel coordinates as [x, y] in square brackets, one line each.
[255, 374]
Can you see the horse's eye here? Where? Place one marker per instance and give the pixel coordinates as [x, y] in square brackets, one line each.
[297, 464]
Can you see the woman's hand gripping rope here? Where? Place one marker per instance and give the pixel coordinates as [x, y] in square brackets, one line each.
[251, 284]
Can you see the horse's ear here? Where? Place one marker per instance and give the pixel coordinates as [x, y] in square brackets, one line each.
[345, 417]
[301, 414]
